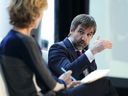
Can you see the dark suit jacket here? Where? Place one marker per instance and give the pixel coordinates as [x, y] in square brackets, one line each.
[63, 54]
[21, 59]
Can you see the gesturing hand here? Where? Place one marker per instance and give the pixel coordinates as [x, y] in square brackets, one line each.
[100, 45]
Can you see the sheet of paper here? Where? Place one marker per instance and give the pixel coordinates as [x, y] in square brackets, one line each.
[95, 75]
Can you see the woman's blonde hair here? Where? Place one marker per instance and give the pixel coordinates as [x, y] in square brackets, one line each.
[23, 13]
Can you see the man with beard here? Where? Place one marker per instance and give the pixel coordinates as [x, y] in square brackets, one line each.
[72, 54]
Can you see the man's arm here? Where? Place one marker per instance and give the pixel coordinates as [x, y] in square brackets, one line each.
[60, 57]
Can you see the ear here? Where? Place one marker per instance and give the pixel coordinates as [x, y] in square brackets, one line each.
[71, 30]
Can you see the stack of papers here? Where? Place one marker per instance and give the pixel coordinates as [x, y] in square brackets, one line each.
[95, 75]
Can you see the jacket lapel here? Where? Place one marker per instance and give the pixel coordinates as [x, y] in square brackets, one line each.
[70, 48]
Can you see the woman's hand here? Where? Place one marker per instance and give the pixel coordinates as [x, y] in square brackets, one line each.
[73, 84]
[66, 77]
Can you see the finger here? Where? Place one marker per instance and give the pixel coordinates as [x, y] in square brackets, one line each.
[108, 44]
[69, 72]
[76, 82]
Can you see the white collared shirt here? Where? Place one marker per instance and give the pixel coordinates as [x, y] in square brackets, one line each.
[88, 53]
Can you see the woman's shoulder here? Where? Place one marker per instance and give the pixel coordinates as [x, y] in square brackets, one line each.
[19, 37]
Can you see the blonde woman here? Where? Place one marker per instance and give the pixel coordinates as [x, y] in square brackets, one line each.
[20, 54]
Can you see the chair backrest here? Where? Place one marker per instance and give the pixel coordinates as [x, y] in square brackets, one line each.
[3, 87]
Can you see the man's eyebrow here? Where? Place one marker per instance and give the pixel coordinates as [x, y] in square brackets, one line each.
[81, 28]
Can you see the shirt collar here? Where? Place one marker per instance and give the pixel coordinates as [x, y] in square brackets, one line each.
[70, 40]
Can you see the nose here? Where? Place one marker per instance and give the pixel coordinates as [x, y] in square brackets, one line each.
[84, 37]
